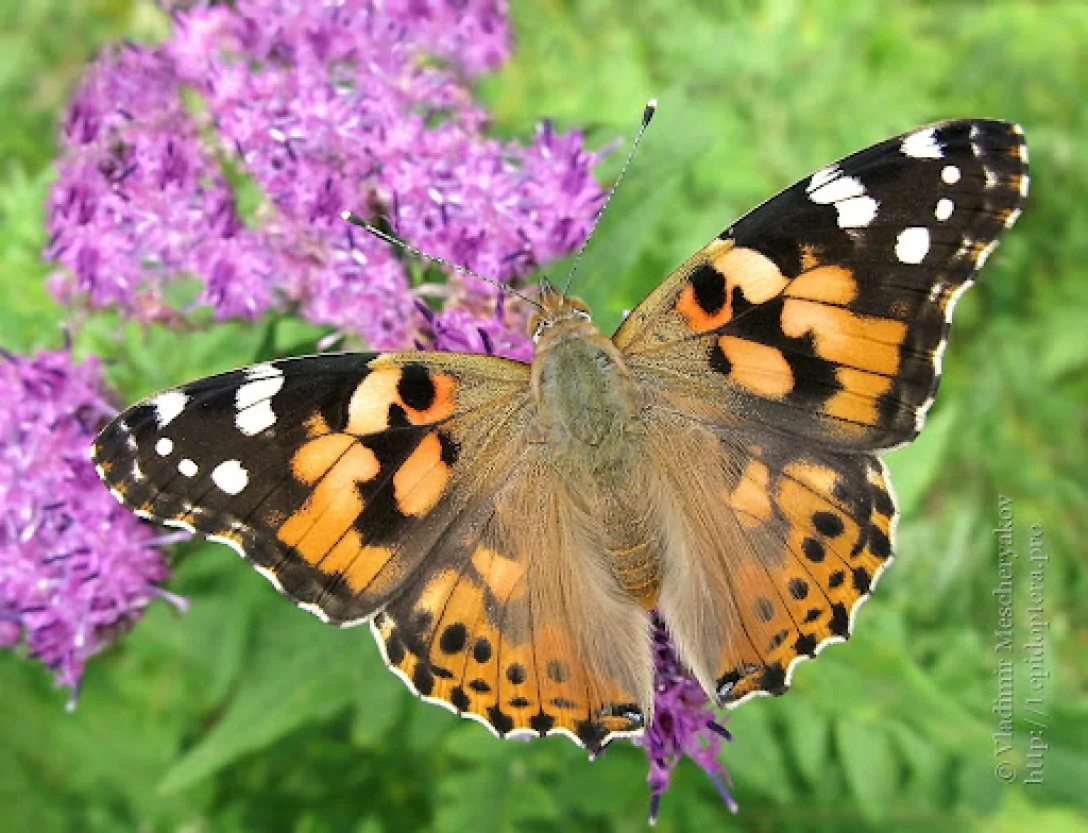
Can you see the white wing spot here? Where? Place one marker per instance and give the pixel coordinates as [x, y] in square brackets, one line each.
[168, 405]
[253, 392]
[187, 467]
[137, 472]
[263, 371]
[912, 244]
[922, 145]
[944, 209]
[1014, 215]
[822, 177]
[253, 399]
[950, 175]
[164, 447]
[843, 188]
[230, 477]
[855, 208]
[857, 212]
[255, 419]
[1024, 185]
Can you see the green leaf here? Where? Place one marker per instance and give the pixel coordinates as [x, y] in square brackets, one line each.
[307, 672]
[809, 735]
[496, 797]
[607, 786]
[64, 756]
[1062, 756]
[923, 761]
[1020, 812]
[755, 758]
[379, 702]
[370, 825]
[1069, 353]
[870, 764]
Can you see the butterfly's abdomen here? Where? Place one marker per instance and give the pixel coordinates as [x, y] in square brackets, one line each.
[633, 548]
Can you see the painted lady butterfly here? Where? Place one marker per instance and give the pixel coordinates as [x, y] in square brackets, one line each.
[506, 527]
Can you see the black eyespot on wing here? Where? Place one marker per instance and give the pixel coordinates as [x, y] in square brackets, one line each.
[416, 388]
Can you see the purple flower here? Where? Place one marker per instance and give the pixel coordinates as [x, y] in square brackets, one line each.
[494, 333]
[139, 199]
[303, 110]
[683, 724]
[75, 568]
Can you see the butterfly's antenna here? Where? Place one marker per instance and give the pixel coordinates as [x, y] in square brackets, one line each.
[647, 114]
[356, 220]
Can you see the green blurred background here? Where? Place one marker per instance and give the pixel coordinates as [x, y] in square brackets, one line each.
[246, 714]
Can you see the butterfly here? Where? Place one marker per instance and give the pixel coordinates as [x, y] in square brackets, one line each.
[507, 528]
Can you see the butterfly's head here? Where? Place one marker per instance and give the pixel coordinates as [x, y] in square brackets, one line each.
[558, 312]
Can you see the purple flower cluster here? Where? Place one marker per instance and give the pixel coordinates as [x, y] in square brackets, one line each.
[303, 110]
[75, 567]
[683, 724]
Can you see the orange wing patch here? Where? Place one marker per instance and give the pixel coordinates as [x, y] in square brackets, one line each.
[757, 368]
[844, 337]
[396, 392]
[855, 404]
[706, 300]
[751, 499]
[422, 479]
[341, 465]
[334, 503]
[826, 284]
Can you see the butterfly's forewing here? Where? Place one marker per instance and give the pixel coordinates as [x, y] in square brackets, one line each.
[332, 474]
[367, 486]
[824, 312]
[807, 336]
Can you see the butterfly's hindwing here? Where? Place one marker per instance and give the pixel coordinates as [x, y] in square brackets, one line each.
[824, 312]
[524, 628]
[473, 640]
[827, 539]
[771, 548]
